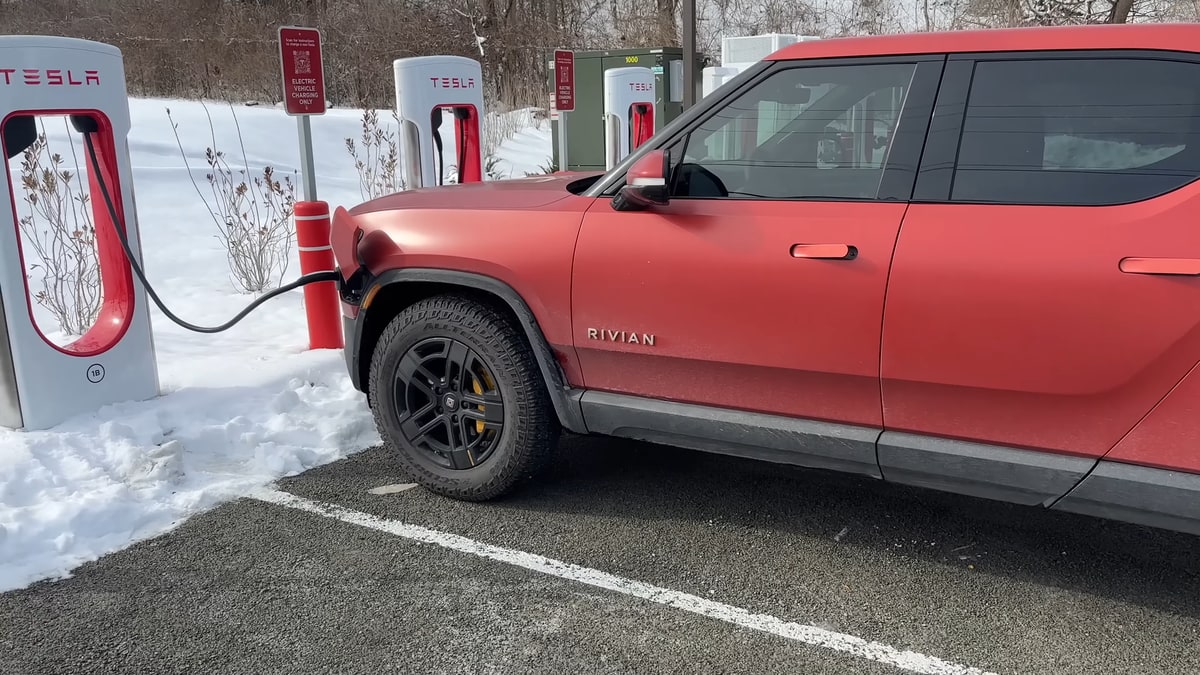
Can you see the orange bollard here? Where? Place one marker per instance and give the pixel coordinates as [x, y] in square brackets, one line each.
[321, 303]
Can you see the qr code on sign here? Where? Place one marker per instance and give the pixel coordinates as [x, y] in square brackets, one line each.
[303, 61]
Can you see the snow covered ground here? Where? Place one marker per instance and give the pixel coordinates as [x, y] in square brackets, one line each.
[238, 409]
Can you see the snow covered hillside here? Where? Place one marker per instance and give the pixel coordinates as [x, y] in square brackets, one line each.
[238, 409]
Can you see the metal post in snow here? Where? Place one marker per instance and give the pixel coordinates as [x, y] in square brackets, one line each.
[564, 98]
[562, 141]
[308, 176]
[303, 71]
[302, 68]
[688, 17]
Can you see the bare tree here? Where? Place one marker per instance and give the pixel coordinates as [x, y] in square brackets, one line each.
[229, 49]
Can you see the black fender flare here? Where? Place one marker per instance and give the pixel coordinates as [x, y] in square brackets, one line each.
[564, 398]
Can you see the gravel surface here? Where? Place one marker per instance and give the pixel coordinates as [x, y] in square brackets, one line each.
[258, 588]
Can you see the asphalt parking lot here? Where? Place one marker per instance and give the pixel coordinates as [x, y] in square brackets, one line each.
[683, 563]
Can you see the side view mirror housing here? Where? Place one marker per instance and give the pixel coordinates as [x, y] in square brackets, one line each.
[645, 183]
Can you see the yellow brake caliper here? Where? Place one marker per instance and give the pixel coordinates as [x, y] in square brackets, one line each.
[478, 389]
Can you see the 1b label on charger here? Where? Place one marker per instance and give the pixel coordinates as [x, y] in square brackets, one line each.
[95, 373]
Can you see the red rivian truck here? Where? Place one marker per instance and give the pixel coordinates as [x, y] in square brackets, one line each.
[965, 261]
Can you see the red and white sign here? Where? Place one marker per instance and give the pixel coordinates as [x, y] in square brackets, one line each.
[303, 70]
[564, 80]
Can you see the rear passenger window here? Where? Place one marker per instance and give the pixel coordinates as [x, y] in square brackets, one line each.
[1079, 131]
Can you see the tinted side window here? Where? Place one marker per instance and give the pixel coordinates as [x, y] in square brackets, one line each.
[1079, 131]
[802, 133]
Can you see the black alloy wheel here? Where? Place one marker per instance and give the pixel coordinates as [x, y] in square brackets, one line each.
[458, 397]
[450, 406]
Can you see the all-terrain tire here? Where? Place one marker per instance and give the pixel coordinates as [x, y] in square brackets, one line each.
[530, 428]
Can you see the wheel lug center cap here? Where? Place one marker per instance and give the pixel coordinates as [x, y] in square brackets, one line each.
[450, 401]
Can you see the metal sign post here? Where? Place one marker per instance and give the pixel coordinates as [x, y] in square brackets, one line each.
[304, 96]
[688, 18]
[303, 92]
[564, 98]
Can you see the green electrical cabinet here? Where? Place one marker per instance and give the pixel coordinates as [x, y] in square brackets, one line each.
[585, 125]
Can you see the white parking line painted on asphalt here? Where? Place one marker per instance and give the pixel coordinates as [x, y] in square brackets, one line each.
[907, 660]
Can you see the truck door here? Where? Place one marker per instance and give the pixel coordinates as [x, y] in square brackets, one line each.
[1044, 293]
[760, 286]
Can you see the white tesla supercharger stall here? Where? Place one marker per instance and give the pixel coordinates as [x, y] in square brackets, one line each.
[79, 86]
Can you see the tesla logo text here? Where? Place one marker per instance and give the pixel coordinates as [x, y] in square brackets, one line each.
[453, 82]
[639, 86]
[628, 337]
[36, 77]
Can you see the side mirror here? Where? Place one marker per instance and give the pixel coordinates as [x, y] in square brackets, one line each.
[645, 183]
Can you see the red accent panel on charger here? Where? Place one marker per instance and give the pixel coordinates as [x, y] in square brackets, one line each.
[467, 132]
[116, 276]
[641, 127]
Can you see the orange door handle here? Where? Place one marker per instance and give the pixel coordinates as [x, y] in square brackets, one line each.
[826, 251]
[1174, 266]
